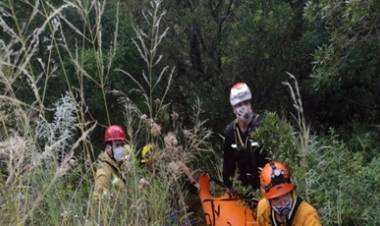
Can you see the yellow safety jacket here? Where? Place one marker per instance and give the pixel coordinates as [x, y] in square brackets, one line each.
[303, 214]
[109, 177]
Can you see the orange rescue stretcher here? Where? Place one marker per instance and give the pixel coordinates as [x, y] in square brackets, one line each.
[224, 210]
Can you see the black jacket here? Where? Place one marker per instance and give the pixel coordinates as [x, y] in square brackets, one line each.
[243, 153]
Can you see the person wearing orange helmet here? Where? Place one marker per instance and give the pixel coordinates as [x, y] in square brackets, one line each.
[110, 172]
[280, 205]
[240, 152]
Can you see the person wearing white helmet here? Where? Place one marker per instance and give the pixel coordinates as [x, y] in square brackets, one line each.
[240, 152]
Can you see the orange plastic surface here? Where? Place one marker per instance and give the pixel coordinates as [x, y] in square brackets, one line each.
[223, 210]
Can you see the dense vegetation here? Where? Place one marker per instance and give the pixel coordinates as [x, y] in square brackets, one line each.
[163, 70]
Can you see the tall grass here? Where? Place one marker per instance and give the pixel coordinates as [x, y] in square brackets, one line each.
[46, 155]
[46, 150]
[175, 146]
[148, 42]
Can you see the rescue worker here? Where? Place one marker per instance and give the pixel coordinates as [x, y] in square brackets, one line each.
[148, 156]
[110, 172]
[281, 205]
[239, 150]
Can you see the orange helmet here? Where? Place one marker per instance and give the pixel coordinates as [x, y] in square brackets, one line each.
[114, 132]
[275, 180]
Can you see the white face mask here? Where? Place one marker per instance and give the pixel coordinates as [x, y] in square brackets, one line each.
[119, 154]
[244, 113]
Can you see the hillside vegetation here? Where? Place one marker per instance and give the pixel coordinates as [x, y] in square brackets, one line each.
[163, 69]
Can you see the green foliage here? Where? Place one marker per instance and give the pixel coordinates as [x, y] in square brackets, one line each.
[340, 181]
[278, 137]
[337, 176]
[264, 44]
[345, 65]
[50, 48]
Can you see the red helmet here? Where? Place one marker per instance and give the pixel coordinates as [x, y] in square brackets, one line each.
[114, 132]
[275, 180]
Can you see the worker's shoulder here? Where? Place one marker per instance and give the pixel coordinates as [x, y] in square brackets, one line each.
[263, 207]
[230, 127]
[306, 215]
[104, 165]
[257, 120]
[307, 209]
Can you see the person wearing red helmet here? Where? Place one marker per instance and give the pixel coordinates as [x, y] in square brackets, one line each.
[280, 205]
[240, 152]
[109, 170]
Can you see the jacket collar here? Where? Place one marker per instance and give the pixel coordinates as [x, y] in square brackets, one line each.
[104, 157]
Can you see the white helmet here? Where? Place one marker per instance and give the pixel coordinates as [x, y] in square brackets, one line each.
[239, 93]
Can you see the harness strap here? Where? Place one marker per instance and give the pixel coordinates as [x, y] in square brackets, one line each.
[237, 136]
[238, 139]
[294, 210]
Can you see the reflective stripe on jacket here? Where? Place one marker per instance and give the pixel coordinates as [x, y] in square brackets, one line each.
[240, 153]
